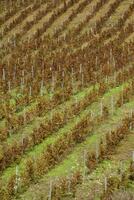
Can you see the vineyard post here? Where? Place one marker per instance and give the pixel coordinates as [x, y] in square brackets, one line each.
[22, 142]
[122, 98]
[115, 78]
[63, 75]
[114, 63]
[10, 130]
[101, 108]
[80, 68]
[24, 115]
[62, 85]
[69, 185]
[105, 184]
[111, 56]
[132, 123]
[14, 41]
[76, 101]
[91, 30]
[2, 32]
[41, 88]
[34, 157]
[14, 73]
[17, 179]
[110, 134]
[21, 85]
[81, 75]
[3, 74]
[9, 86]
[51, 118]
[30, 91]
[131, 113]
[121, 167]
[91, 114]
[112, 105]
[51, 98]
[8, 63]
[97, 151]
[52, 84]
[131, 86]
[106, 79]
[23, 77]
[72, 79]
[64, 36]
[130, 126]
[82, 81]
[96, 62]
[32, 71]
[50, 190]
[133, 156]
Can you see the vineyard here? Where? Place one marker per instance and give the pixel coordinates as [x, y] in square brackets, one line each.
[67, 100]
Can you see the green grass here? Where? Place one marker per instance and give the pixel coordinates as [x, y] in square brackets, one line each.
[38, 149]
[74, 160]
[35, 123]
[89, 144]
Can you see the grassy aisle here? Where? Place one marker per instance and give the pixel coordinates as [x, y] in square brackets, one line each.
[72, 162]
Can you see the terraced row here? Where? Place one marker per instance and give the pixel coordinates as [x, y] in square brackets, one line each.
[75, 160]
